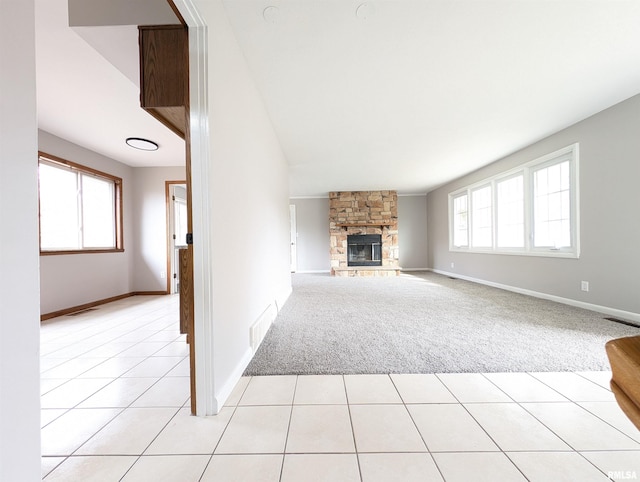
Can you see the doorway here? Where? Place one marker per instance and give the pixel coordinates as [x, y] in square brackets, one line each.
[177, 229]
[294, 238]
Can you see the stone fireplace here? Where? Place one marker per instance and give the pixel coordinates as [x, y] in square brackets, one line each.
[363, 229]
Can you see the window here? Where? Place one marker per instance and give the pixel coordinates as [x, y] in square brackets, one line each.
[552, 206]
[481, 218]
[532, 210]
[460, 221]
[80, 208]
[510, 212]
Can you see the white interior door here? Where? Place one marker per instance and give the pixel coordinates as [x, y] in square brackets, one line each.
[294, 238]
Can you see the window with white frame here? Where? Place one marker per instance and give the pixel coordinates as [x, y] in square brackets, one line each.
[531, 210]
[80, 208]
[481, 217]
[460, 221]
[510, 212]
[552, 206]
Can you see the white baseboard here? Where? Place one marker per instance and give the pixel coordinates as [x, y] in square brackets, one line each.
[313, 271]
[414, 269]
[628, 315]
[223, 394]
[282, 297]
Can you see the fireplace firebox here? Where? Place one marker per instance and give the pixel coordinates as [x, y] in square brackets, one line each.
[364, 250]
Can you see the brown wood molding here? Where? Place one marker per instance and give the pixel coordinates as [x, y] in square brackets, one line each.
[177, 12]
[80, 251]
[173, 118]
[92, 304]
[368, 224]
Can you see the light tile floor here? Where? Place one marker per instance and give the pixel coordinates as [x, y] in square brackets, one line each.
[115, 396]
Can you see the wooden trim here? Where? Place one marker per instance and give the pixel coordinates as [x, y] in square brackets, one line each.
[74, 165]
[73, 309]
[86, 306]
[177, 12]
[364, 225]
[119, 215]
[156, 113]
[167, 210]
[80, 251]
[118, 208]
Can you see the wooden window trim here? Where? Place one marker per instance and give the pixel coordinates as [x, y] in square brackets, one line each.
[119, 206]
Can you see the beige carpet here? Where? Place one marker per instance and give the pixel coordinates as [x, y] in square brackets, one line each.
[427, 323]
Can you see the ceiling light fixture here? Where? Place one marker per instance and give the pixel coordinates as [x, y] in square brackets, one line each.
[365, 11]
[142, 144]
[271, 14]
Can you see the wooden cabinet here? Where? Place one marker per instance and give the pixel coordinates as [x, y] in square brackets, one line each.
[164, 74]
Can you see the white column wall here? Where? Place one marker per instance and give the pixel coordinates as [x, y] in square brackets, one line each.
[19, 295]
[243, 184]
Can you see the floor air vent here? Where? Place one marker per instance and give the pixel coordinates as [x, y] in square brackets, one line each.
[624, 322]
[81, 312]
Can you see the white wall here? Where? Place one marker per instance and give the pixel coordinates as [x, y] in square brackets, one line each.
[312, 224]
[72, 280]
[19, 298]
[609, 227]
[412, 232]
[150, 226]
[248, 201]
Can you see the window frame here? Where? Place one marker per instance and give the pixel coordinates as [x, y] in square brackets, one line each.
[492, 217]
[452, 225]
[118, 208]
[525, 203]
[527, 170]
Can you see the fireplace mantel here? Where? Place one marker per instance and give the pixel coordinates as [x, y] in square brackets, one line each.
[364, 225]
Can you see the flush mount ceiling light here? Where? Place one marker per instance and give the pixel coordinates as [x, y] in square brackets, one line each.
[142, 144]
[271, 14]
[365, 11]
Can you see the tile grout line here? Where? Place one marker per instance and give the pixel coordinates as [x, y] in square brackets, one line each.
[353, 432]
[573, 449]
[435, 463]
[286, 440]
[577, 403]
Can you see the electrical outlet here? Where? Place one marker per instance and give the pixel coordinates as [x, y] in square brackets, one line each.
[452, 265]
[584, 286]
[163, 274]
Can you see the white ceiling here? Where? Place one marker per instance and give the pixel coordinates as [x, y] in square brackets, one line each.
[86, 99]
[384, 94]
[408, 94]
